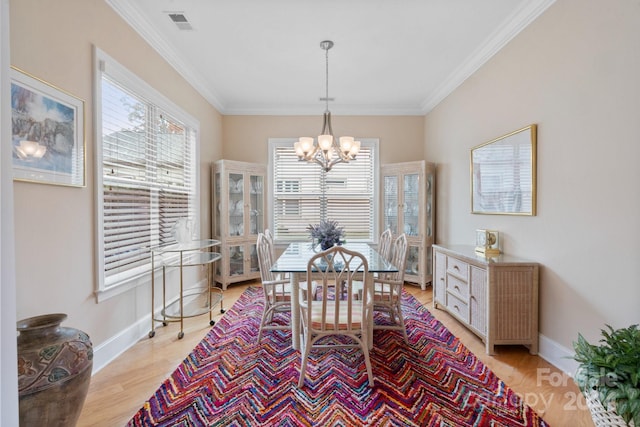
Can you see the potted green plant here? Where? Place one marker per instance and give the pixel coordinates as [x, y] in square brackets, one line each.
[327, 234]
[609, 374]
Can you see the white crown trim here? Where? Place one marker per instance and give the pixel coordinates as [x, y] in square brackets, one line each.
[132, 16]
[511, 27]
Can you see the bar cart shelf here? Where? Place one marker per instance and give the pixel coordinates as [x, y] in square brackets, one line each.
[191, 302]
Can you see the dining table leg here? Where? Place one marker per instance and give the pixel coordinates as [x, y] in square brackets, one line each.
[295, 310]
[370, 312]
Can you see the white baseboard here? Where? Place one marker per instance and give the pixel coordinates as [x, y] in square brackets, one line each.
[109, 350]
[559, 356]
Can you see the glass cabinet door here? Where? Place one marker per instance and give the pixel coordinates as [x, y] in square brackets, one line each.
[390, 201]
[236, 204]
[413, 261]
[254, 259]
[411, 205]
[236, 260]
[430, 223]
[218, 213]
[428, 208]
[256, 202]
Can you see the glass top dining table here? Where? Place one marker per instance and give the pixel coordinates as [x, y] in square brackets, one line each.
[294, 261]
[295, 258]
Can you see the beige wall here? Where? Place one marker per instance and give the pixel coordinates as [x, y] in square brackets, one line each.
[245, 137]
[575, 72]
[54, 225]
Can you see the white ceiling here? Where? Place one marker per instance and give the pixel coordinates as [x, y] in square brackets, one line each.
[390, 57]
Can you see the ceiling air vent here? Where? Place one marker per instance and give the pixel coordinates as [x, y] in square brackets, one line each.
[180, 20]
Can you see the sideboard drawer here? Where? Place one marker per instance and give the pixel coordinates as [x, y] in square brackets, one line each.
[458, 268]
[458, 307]
[458, 287]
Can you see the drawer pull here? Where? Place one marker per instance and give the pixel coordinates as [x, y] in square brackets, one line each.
[456, 288]
[455, 267]
[457, 308]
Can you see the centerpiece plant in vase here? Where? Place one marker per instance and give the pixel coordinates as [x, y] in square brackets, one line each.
[609, 376]
[326, 234]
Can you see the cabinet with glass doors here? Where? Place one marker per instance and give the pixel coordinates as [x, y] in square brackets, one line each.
[238, 215]
[408, 206]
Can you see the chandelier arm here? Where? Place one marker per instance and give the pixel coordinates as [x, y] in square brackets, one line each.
[334, 162]
[323, 164]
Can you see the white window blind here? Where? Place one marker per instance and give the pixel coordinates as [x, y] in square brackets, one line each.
[304, 194]
[147, 160]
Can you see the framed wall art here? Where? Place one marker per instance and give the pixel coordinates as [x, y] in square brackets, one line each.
[47, 132]
[503, 174]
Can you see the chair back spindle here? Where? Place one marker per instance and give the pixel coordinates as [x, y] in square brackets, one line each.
[384, 244]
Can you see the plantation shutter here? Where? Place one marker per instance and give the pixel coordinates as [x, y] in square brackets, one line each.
[148, 182]
[304, 194]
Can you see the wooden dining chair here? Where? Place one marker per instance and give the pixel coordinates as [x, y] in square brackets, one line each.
[330, 315]
[387, 289]
[269, 235]
[276, 287]
[384, 244]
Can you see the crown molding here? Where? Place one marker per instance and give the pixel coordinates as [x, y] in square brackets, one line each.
[136, 20]
[511, 27]
[315, 110]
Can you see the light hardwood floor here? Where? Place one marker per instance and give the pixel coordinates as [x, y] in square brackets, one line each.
[121, 388]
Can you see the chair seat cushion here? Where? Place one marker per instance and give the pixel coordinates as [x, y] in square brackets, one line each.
[316, 316]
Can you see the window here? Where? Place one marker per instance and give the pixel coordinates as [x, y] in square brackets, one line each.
[146, 155]
[304, 194]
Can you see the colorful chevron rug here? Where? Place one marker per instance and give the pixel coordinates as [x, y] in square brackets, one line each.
[231, 380]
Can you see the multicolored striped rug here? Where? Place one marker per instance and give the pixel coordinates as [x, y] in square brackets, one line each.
[231, 380]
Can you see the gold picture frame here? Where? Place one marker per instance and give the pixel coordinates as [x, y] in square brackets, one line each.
[47, 135]
[503, 174]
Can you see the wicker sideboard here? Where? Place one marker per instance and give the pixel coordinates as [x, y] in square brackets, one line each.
[496, 298]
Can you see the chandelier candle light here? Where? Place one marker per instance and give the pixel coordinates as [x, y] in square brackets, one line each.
[327, 152]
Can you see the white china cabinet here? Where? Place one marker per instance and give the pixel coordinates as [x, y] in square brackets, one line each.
[238, 215]
[408, 206]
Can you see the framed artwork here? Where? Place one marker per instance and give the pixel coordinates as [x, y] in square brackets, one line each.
[503, 174]
[47, 132]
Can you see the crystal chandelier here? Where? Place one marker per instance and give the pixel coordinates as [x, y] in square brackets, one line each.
[327, 151]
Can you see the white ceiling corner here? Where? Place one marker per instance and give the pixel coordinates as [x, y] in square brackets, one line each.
[265, 66]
